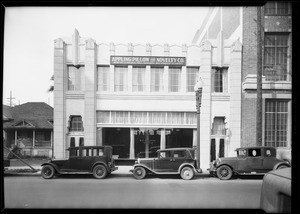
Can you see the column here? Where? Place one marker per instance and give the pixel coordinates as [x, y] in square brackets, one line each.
[205, 109]
[147, 141]
[99, 141]
[162, 138]
[51, 145]
[90, 94]
[60, 87]
[131, 151]
[194, 138]
[148, 78]
[183, 79]
[16, 137]
[129, 78]
[33, 138]
[217, 147]
[166, 79]
[235, 85]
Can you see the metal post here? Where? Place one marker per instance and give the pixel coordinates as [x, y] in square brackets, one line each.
[198, 91]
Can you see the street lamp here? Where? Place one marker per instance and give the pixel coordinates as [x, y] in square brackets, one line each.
[198, 90]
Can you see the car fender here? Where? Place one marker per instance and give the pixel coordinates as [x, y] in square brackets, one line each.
[186, 164]
[53, 165]
[144, 166]
[100, 163]
[281, 163]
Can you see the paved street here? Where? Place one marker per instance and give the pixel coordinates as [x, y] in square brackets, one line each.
[121, 190]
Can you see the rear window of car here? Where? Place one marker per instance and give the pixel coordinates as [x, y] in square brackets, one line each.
[179, 154]
[254, 152]
[97, 152]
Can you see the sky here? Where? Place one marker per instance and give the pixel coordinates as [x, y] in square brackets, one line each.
[29, 34]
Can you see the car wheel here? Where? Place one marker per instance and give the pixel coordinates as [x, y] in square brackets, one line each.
[139, 173]
[224, 172]
[187, 173]
[99, 172]
[48, 172]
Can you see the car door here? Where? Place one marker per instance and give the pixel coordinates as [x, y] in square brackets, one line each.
[179, 157]
[164, 162]
[269, 159]
[75, 161]
[255, 160]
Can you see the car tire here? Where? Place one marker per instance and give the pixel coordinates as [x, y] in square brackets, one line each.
[139, 172]
[48, 172]
[187, 173]
[224, 172]
[99, 172]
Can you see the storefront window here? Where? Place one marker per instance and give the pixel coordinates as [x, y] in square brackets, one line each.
[192, 76]
[103, 78]
[75, 78]
[138, 78]
[157, 79]
[174, 79]
[121, 74]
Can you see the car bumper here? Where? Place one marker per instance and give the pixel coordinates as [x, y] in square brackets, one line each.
[114, 168]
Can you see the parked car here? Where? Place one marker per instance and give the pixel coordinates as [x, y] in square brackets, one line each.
[96, 160]
[168, 161]
[152, 152]
[249, 161]
[276, 191]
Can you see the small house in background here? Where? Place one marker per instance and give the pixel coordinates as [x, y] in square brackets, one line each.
[30, 127]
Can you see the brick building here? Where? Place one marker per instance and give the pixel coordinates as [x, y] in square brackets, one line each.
[277, 75]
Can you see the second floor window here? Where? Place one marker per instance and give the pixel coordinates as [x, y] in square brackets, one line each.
[275, 56]
[103, 78]
[75, 78]
[174, 79]
[76, 123]
[157, 79]
[219, 80]
[192, 76]
[121, 78]
[138, 78]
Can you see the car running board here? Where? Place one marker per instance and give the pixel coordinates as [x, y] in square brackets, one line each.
[251, 173]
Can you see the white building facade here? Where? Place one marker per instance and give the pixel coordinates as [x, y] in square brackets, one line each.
[138, 98]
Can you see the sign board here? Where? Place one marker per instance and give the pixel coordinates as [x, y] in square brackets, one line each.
[147, 60]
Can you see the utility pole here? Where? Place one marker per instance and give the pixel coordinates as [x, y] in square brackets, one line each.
[10, 99]
[260, 44]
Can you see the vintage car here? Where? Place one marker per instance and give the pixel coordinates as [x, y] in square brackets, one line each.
[249, 161]
[96, 160]
[276, 191]
[168, 161]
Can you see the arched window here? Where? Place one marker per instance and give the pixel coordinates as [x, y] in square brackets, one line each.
[76, 123]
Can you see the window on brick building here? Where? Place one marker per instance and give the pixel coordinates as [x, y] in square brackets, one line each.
[192, 76]
[103, 78]
[174, 79]
[157, 79]
[277, 8]
[276, 123]
[275, 56]
[75, 78]
[76, 123]
[219, 80]
[121, 74]
[138, 78]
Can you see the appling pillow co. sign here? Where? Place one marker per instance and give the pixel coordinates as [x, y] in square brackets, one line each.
[147, 60]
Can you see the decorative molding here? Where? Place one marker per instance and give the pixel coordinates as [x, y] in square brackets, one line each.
[184, 48]
[236, 46]
[130, 47]
[146, 97]
[148, 47]
[90, 44]
[59, 43]
[166, 48]
[206, 46]
[111, 46]
[75, 46]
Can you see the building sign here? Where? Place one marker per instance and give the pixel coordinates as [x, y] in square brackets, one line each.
[147, 60]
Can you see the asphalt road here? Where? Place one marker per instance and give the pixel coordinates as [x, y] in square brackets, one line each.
[123, 191]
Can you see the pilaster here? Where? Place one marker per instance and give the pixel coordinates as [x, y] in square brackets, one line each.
[90, 94]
